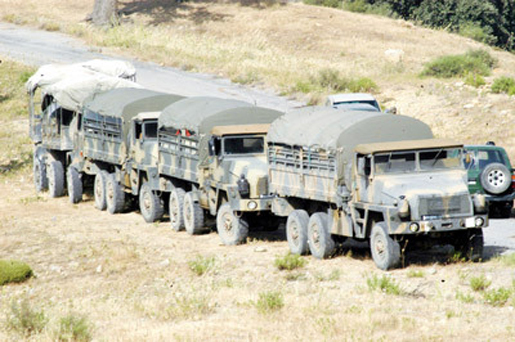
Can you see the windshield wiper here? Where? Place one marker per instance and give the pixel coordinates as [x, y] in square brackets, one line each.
[435, 159]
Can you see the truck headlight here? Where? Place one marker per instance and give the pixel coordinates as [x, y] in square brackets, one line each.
[252, 205]
[414, 227]
[479, 221]
[479, 203]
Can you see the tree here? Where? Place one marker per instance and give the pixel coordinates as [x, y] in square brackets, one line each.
[105, 12]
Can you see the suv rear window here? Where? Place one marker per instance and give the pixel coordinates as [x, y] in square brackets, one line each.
[486, 157]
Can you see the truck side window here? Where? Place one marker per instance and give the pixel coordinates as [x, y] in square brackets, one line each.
[150, 129]
[137, 130]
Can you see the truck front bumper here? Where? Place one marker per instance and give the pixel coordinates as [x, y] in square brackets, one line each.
[251, 204]
[441, 225]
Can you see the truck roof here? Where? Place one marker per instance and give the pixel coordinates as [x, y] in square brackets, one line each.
[330, 128]
[201, 114]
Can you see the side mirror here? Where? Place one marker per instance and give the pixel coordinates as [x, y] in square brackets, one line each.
[361, 167]
[212, 147]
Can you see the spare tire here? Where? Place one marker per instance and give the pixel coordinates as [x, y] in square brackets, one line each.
[495, 178]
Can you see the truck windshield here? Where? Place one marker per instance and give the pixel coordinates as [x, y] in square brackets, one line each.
[441, 159]
[395, 162]
[243, 145]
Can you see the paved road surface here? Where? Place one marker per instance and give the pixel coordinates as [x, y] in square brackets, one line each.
[36, 47]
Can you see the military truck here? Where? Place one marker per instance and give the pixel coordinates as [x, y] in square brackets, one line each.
[116, 143]
[212, 158]
[371, 177]
[56, 93]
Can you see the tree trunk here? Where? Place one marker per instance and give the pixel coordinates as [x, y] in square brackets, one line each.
[105, 12]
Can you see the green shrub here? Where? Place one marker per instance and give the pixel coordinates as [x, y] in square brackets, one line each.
[477, 62]
[479, 283]
[504, 84]
[361, 6]
[330, 80]
[289, 262]
[325, 3]
[25, 320]
[362, 85]
[476, 32]
[269, 301]
[201, 265]
[416, 274]
[475, 80]
[384, 284]
[12, 271]
[497, 297]
[74, 328]
[464, 297]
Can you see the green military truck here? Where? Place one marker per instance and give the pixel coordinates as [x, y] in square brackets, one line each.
[56, 93]
[212, 158]
[116, 143]
[370, 176]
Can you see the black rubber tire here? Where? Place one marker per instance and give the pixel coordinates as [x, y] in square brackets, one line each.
[151, 206]
[386, 252]
[99, 190]
[495, 178]
[193, 215]
[74, 184]
[506, 209]
[40, 177]
[56, 179]
[232, 230]
[297, 232]
[470, 244]
[321, 244]
[176, 209]
[115, 197]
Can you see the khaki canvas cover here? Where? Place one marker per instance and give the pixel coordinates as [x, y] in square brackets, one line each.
[407, 145]
[335, 129]
[72, 84]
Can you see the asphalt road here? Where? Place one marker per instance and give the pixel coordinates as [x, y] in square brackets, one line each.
[35, 47]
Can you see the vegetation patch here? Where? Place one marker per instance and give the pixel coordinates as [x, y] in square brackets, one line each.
[497, 297]
[201, 265]
[289, 262]
[475, 62]
[12, 271]
[26, 320]
[416, 274]
[74, 328]
[190, 306]
[475, 80]
[507, 260]
[384, 284]
[479, 283]
[269, 301]
[504, 84]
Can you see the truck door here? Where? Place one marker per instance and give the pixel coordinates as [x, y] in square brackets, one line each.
[364, 168]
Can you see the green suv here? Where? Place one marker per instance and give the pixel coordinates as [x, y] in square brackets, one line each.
[490, 173]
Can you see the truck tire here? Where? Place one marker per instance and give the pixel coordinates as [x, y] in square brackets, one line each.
[40, 177]
[193, 215]
[150, 205]
[233, 230]
[495, 178]
[176, 209]
[470, 244]
[56, 179]
[74, 183]
[297, 232]
[99, 190]
[321, 244]
[115, 197]
[386, 252]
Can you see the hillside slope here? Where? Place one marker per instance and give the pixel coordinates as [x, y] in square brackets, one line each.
[287, 46]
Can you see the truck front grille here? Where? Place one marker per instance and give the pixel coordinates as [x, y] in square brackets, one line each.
[445, 206]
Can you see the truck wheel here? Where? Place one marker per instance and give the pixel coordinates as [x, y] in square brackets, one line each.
[386, 252]
[150, 205]
[495, 178]
[99, 190]
[40, 179]
[193, 215]
[74, 183]
[321, 244]
[470, 244]
[56, 179]
[176, 208]
[297, 232]
[115, 197]
[506, 209]
[233, 230]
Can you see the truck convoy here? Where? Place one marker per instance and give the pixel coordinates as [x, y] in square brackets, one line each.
[330, 173]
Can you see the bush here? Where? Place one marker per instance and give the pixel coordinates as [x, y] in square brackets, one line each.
[289, 262]
[504, 84]
[74, 328]
[475, 80]
[325, 3]
[497, 297]
[384, 284]
[479, 283]
[330, 80]
[201, 265]
[477, 62]
[12, 271]
[25, 320]
[361, 6]
[476, 32]
[363, 84]
[269, 301]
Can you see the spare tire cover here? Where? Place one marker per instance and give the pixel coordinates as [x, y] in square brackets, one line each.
[495, 178]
